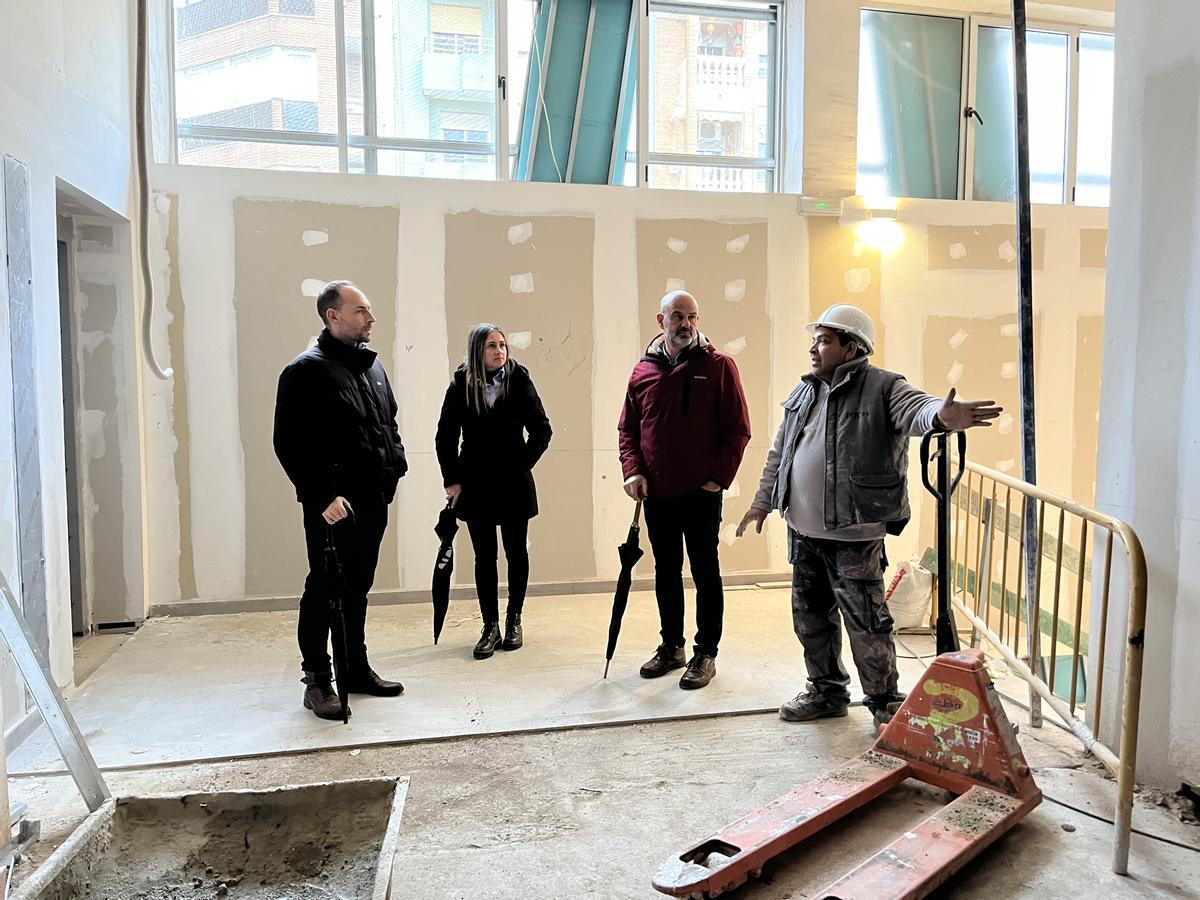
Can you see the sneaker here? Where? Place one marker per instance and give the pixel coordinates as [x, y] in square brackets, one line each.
[884, 708]
[806, 706]
[700, 671]
[664, 660]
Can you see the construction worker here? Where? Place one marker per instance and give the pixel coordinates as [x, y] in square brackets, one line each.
[837, 475]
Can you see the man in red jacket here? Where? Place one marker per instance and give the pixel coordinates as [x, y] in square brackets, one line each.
[683, 430]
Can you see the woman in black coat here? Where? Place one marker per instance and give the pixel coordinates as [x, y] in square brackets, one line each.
[491, 403]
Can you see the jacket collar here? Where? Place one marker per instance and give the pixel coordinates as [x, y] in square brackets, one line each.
[656, 350]
[356, 358]
[842, 374]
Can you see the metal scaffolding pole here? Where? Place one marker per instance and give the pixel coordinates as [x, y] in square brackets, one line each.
[1025, 320]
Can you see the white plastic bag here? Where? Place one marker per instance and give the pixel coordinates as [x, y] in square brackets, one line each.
[910, 596]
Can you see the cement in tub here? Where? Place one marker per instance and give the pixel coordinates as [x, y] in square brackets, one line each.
[330, 841]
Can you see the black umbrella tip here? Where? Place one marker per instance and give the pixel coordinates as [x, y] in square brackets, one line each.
[606, 664]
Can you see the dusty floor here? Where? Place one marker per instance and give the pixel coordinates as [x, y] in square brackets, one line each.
[593, 812]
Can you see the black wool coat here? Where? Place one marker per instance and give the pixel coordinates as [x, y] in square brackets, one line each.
[494, 461]
[335, 425]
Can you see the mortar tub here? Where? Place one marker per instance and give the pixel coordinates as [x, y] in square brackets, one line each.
[324, 841]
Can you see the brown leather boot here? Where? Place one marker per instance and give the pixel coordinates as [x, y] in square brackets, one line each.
[319, 696]
[365, 680]
[664, 660]
[700, 671]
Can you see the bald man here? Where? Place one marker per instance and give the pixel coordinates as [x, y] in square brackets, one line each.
[683, 430]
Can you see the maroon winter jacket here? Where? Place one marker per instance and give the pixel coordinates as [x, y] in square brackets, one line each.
[683, 424]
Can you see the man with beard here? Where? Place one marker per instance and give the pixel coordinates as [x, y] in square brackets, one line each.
[683, 429]
[336, 436]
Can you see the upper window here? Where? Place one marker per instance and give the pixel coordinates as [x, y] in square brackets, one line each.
[936, 109]
[712, 96]
[436, 88]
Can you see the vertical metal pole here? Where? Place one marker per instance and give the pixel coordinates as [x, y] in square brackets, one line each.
[370, 120]
[1025, 321]
[947, 634]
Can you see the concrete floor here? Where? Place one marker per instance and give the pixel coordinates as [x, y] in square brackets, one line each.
[576, 811]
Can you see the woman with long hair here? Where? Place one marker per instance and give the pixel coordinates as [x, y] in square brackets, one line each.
[493, 407]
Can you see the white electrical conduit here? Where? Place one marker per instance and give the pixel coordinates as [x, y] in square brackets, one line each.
[143, 246]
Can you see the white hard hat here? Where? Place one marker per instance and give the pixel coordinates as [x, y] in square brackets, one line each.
[851, 320]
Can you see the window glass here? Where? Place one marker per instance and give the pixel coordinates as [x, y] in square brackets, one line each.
[711, 95]
[995, 164]
[1094, 144]
[909, 105]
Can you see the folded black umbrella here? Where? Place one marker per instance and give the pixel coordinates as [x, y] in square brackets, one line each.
[630, 553]
[335, 586]
[446, 528]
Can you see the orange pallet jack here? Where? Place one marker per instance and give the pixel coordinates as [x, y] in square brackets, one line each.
[951, 733]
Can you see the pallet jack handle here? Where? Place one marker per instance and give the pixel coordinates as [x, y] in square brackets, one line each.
[947, 634]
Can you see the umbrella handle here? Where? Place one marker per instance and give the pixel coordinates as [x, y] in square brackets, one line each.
[637, 514]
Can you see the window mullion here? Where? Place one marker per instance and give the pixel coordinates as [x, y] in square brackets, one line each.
[1072, 148]
[503, 86]
[643, 94]
[339, 40]
[369, 94]
[968, 192]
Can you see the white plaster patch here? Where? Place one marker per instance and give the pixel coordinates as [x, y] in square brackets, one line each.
[737, 244]
[957, 339]
[1008, 370]
[520, 340]
[519, 234]
[314, 236]
[729, 533]
[675, 284]
[736, 346]
[1006, 465]
[1006, 252]
[311, 287]
[735, 490]
[958, 250]
[162, 203]
[1010, 330]
[857, 280]
[954, 374]
[735, 290]
[521, 284]
[1005, 423]
[676, 245]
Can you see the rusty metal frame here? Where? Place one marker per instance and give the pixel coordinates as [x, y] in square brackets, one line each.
[1122, 762]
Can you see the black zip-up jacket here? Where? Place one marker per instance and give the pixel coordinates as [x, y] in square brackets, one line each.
[335, 425]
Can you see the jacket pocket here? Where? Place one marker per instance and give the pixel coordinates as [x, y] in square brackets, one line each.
[877, 497]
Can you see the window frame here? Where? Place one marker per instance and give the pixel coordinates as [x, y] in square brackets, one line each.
[969, 84]
[771, 11]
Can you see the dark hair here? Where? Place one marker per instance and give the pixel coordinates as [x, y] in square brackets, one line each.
[845, 338]
[331, 297]
[476, 372]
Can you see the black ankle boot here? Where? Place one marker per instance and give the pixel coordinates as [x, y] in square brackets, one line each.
[319, 696]
[513, 637]
[488, 641]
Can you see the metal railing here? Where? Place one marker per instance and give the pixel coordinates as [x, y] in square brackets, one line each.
[995, 517]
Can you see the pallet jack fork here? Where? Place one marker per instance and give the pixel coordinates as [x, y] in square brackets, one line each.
[951, 733]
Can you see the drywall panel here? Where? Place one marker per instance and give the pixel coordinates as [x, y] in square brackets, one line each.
[532, 276]
[277, 274]
[32, 572]
[724, 266]
[1089, 352]
[980, 247]
[1093, 248]
[842, 269]
[181, 457]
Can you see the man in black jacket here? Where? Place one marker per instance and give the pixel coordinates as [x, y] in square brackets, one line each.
[336, 436]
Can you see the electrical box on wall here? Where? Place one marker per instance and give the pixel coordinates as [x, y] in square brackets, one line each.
[819, 206]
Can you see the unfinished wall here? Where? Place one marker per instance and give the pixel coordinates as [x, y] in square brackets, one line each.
[574, 274]
[65, 73]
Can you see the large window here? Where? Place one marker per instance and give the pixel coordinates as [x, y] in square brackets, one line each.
[712, 96]
[936, 109]
[437, 88]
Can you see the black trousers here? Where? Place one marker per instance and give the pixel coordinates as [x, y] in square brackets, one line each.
[357, 542]
[487, 581]
[694, 520]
